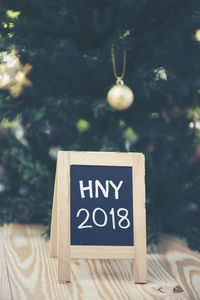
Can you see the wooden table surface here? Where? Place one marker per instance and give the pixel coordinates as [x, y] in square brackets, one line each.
[27, 272]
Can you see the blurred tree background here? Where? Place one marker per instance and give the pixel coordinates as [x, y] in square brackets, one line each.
[67, 44]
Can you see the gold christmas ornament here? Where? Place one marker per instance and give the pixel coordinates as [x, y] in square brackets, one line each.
[120, 96]
[197, 35]
[13, 73]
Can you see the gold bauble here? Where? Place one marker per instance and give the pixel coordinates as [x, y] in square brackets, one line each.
[120, 96]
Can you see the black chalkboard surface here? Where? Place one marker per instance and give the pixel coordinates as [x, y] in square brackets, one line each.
[101, 202]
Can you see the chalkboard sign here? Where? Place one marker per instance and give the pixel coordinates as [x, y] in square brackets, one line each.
[99, 210]
[101, 205]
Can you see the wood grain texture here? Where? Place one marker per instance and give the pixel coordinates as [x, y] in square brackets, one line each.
[54, 220]
[102, 252]
[173, 271]
[5, 289]
[139, 217]
[63, 217]
[103, 158]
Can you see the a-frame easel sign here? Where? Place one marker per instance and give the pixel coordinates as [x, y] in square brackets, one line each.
[99, 210]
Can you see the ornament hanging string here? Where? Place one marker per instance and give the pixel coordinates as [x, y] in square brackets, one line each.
[119, 78]
[120, 96]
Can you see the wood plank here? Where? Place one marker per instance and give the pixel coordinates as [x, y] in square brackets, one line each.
[33, 275]
[173, 272]
[102, 252]
[184, 264]
[63, 218]
[101, 158]
[54, 219]
[139, 218]
[5, 289]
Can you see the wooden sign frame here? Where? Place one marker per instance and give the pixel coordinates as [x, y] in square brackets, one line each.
[60, 243]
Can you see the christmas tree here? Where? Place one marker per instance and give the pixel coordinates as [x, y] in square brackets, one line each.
[55, 73]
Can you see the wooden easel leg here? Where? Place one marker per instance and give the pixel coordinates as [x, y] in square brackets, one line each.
[139, 216]
[53, 235]
[139, 265]
[63, 220]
